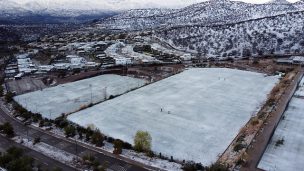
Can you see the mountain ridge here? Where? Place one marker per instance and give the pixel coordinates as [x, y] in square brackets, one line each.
[208, 12]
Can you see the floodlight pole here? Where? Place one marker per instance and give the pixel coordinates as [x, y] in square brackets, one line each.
[91, 94]
[76, 147]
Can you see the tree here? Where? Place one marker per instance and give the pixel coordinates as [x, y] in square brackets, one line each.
[97, 138]
[1, 91]
[118, 144]
[7, 129]
[9, 97]
[69, 131]
[89, 133]
[142, 141]
[14, 160]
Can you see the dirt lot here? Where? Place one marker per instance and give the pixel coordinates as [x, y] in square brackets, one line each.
[25, 85]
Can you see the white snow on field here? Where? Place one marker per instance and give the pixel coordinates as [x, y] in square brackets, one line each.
[202, 111]
[290, 155]
[70, 97]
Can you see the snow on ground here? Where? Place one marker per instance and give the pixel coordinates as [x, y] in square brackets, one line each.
[193, 115]
[290, 155]
[155, 162]
[140, 157]
[128, 50]
[70, 97]
[50, 151]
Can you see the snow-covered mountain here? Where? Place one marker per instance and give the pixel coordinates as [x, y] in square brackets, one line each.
[281, 34]
[56, 7]
[205, 13]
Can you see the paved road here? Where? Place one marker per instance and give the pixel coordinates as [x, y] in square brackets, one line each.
[44, 161]
[116, 163]
[262, 138]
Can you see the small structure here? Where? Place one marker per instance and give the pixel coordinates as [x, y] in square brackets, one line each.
[298, 60]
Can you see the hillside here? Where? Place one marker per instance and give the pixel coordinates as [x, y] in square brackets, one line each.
[270, 35]
[205, 13]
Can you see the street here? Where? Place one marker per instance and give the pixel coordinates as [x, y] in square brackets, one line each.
[114, 162]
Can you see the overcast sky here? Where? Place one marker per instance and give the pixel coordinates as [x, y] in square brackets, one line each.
[110, 4]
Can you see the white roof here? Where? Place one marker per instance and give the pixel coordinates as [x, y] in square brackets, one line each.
[298, 58]
[72, 56]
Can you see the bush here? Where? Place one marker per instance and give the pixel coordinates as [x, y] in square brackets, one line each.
[69, 131]
[239, 146]
[127, 146]
[9, 97]
[41, 123]
[255, 121]
[150, 154]
[1, 91]
[192, 166]
[61, 122]
[142, 141]
[97, 138]
[217, 167]
[110, 139]
[118, 144]
[279, 142]
[14, 160]
[36, 140]
[36, 117]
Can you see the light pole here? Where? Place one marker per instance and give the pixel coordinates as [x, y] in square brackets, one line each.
[50, 114]
[91, 94]
[76, 147]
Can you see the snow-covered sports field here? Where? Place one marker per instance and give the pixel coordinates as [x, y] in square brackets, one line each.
[289, 155]
[70, 97]
[193, 115]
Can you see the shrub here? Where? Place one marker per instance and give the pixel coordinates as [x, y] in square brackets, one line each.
[192, 166]
[13, 159]
[69, 131]
[7, 129]
[279, 142]
[110, 139]
[255, 121]
[36, 140]
[217, 167]
[61, 122]
[127, 146]
[9, 97]
[118, 144]
[239, 146]
[41, 123]
[89, 133]
[97, 138]
[150, 154]
[1, 91]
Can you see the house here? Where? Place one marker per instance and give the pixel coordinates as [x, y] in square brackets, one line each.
[186, 57]
[19, 76]
[45, 68]
[62, 66]
[122, 61]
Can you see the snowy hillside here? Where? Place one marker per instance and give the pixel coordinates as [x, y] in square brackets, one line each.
[207, 13]
[271, 35]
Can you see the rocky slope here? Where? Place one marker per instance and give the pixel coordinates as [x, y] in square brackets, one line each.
[281, 34]
[205, 13]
